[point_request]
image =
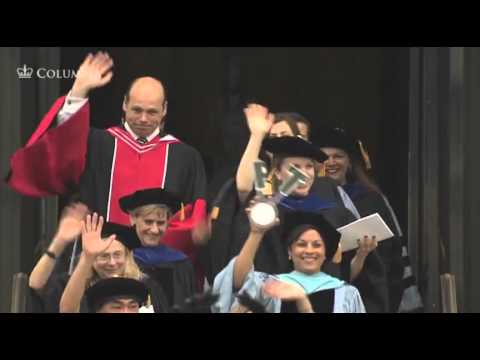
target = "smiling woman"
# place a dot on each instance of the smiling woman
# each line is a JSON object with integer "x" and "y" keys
{"x": 151, "y": 223}
{"x": 307, "y": 250}
{"x": 311, "y": 241}
{"x": 106, "y": 253}
{"x": 306, "y": 165}
{"x": 337, "y": 165}
{"x": 348, "y": 164}
{"x": 150, "y": 214}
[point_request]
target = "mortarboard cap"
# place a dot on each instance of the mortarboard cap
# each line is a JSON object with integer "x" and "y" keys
{"x": 106, "y": 290}
{"x": 253, "y": 305}
{"x": 340, "y": 139}
{"x": 125, "y": 234}
{"x": 149, "y": 197}
{"x": 294, "y": 146}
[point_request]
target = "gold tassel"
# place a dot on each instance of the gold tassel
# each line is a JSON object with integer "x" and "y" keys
{"x": 321, "y": 170}
{"x": 366, "y": 157}
{"x": 337, "y": 258}
{"x": 215, "y": 212}
{"x": 182, "y": 213}
{"x": 239, "y": 309}
{"x": 268, "y": 190}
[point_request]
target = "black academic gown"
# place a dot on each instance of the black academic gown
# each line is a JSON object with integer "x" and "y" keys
{"x": 369, "y": 202}
{"x": 322, "y": 302}
{"x": 230, "y": 231}
{"x": 171, "y": 269}
{"x": 371, "y": 282}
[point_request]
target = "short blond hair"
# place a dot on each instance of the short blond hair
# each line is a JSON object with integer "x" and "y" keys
{"x": 151, "y": 208}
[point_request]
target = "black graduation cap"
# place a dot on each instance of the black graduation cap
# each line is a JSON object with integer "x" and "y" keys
{"x": 335, "y": 137}
{"x": 330, "y": 235}
{"x": 198, "y": 303}
{"x": 253, "y": 305}
{"x": 125, "y": 234}
{"x": 149, "y": 197}
{"x": 106, "y": 290}
{"x": 341, "y": 139}
{"x": 294, "y": 146}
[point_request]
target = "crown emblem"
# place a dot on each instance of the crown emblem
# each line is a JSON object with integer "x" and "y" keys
{"x": 24, "y": 72}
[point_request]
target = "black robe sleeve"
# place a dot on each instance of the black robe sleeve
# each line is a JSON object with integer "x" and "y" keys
{"x": 371, "y": 282}
{"x": 186, "y": 173}
{"x": 337, "y": 215}
{"x": 34, "y": 302}
{"x": 52, "y": 292}
{"x": 158, "y": 297}
{"x": 216, "y": 254}
{"x": 197, "y": 176}
{"x": 390, "y": 250}
{"x": 94, "y": 184}
{"x": 175, "y": 278}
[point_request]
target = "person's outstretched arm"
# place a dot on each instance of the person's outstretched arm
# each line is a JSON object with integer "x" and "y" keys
{"x": 259, "y": 122}
{"x": 68, "y": 230}
{"x": 94, "y": 72}
{"x": 54, "y": 158}
{"x": 92, "y": 246}
{"x": 244, "y": 260}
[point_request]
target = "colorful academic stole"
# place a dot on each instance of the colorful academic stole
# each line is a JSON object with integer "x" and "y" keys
{"x": 134, "y": 167}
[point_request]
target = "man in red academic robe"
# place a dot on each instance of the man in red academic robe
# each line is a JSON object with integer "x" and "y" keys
{"x": 108, "y": 164}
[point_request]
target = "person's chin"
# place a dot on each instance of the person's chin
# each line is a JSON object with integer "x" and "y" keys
{"x": 152, "y": 242}
{"x": 302, "y": 192}
{"x": 310, "y": 269}
{"x": 111, "y": 274}
{"x": 142, "y": 131}
{"x": 142, "y": 134}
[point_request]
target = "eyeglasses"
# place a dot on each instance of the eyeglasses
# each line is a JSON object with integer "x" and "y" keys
{"x": 104, "y": 258}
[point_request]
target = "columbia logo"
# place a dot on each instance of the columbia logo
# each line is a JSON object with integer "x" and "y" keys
{"x": 24, "y": 72}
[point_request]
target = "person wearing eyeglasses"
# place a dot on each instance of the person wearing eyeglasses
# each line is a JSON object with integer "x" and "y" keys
{"x": 107, "y": 253}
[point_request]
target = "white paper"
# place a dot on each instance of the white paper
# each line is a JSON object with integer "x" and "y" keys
{"x": 372, "y": 225}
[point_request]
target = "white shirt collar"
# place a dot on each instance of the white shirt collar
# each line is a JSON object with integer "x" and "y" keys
{"x": 135, "y": 136}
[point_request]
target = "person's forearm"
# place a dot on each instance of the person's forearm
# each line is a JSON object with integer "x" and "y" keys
{"x": 44, "y": 268}
{"x": 245, "y": 173}
{"x": 72, "y": 104}
{"x": 73, "y": 293}
{"x": 304, "y": 305}
{"x": 244, "y": 260}
{"x": 356, "y": 266}
{"x": 79, "y": 90}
